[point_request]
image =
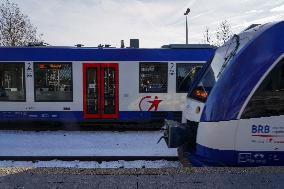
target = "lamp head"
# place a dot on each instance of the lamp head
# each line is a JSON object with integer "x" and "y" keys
{"x": 187, "y": 11}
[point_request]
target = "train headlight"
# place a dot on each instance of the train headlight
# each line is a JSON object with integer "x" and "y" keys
{"x": 200, "y": 94}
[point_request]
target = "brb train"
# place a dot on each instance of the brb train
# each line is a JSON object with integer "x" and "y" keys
{"x": 234, "y": 113}
{"x": 96, "y": 84}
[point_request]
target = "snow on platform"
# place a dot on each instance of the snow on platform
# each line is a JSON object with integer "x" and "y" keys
{"x": 83, "y": 143}
{"x": 93, "y": 164}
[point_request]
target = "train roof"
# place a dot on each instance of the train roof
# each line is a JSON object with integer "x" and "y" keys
{"x": 51, "y": 53}
{"x": 263, "y": 46}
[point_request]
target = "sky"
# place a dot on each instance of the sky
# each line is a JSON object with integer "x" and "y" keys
{"x": 153, "y": 22}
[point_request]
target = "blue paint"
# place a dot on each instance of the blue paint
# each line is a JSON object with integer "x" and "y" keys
{"x": 204, "y": 156}
{"x": 95, "y": 54}
{"x": 78, "y": 116}
{"x": 42, "y": 115}
{"x": 134, "y": 115}
{"x": 260, "y": 129}
{"x": 243, "y": 73}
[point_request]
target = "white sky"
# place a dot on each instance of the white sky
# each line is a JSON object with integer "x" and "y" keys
{"x": 154, "y": 22}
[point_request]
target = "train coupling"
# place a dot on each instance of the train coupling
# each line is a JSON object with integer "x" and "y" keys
{"x": 177, "y": 134}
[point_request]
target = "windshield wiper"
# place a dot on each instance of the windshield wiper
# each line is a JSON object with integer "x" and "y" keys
{"x": 187, "y": 76}
{"x": 231, "y": 55}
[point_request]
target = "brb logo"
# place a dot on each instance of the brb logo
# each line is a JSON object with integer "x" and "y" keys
{"x": 260, "y": 129}
{"x": 147, "y": 103}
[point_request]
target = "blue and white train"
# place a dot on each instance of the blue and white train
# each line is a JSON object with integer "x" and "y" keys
{"x": 96, "y": 84}
{"x": 234, "y": 114}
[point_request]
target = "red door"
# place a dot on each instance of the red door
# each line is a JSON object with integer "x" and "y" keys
{"x": 100, "y": 90}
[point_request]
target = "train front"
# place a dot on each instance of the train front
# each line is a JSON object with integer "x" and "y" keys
{"x": 199, "y": 138}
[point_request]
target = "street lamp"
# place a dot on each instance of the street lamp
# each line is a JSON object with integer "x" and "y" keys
{"x": 186, "y": 25}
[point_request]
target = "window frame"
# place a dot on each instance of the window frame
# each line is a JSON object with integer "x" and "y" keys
{"x": 34, "y": 72}
{"x": 160, "y": 63}
{"x": 193, "y": 64}
{"x": 243, "y": 113}
{"x": 24, "y": 79}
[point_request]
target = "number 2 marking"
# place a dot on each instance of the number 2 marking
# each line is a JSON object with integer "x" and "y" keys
{"x": 172, "y": 70}
{"x": 29, "y": 70}
{"x": 29, "y": 66}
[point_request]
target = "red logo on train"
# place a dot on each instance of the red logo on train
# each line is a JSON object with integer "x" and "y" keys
{"x": 148, "y": 104}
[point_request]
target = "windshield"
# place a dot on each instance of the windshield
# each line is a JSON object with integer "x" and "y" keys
{"x": 221, "y": 59}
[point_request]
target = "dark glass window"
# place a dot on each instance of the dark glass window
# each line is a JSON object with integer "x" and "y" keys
{"x": 92, "y": 93}
{"x": 53, "y": 82}
{"x": 12, "y": 82}
{"x": 268, "y": 99}
{"x": 185, "y": 74}
{"x": 109, "y": 90}
{"x": 153, "y": 77}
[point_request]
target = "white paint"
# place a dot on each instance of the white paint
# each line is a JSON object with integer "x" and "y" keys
{"x": 246, "y": 142}
{"x": 237, "y": 134}
{"x": 189, "y": 111}
{"x": 217, "y": 135}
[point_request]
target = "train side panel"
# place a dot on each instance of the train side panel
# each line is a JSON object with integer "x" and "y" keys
{"x": 44, "y": 89}
{"x": 134, "y": 105}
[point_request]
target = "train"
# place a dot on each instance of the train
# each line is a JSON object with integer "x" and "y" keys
{"x": 97, "y": 85}
{"x": 234, "y": 112}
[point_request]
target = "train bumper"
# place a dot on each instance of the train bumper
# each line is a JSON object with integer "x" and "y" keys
{"x": 177, "y": 134}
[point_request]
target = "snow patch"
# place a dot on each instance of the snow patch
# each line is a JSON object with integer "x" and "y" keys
{"x": 92, "y": 164}
{"x": 83, "y": 143}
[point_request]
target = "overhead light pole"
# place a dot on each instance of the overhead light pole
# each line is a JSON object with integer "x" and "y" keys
{"x": 186, "y": 24}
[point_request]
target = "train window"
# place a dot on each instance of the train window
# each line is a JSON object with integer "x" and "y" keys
{"x": 153, "y": 77}
{"x": 53, "y": 82}
{"x": 184, "y": 76}
{"x": 12, "y": 82}
{"x": 268, "y": 99}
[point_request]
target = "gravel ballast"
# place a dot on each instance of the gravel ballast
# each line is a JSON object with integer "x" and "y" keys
{"x": 142, "y": 171}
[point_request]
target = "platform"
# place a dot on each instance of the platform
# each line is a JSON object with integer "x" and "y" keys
{"x": 271, "y": 177}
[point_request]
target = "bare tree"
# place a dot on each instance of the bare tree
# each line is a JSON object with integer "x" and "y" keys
{"x": 224, "y": 32}
{"x": 15, "y": 27}
{"x": 207, "y": 37}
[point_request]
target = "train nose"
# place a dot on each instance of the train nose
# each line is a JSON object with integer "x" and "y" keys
{"x": 177, "y": 134}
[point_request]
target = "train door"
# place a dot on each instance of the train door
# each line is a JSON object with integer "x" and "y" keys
{"x": 260, "y": 132}
{"x": 100, "y": 90}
